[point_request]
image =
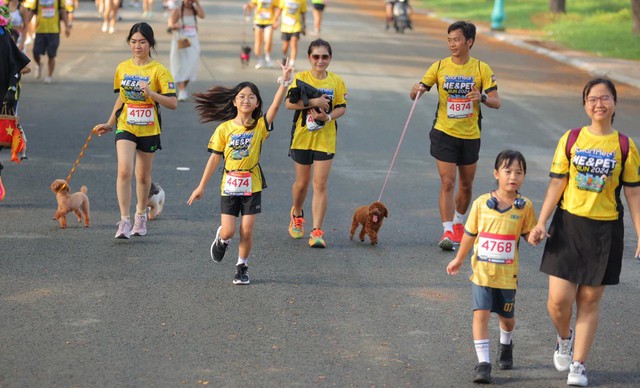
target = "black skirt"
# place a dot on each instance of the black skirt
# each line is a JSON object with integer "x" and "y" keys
{"x": 584, "y": 251}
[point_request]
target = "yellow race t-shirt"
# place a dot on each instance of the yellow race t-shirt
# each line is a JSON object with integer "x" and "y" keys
{"x": 291, "y": 19}
{"x": 47, "y": 14}
{"x": 594, "y": 174}
{"x": 323, "y": 139}
{"x": 264, "y": 11}
{"x": 456, "y": 115}
{"x": 140, "y": 115}
{"x": 241, "y": 150}
{"x": 495, "y": 250}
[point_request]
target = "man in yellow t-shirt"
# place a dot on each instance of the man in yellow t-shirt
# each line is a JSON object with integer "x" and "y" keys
{"x": 463, "y": 84}
{"x": 292, "y": 24}
{"x": 49, "y": 14}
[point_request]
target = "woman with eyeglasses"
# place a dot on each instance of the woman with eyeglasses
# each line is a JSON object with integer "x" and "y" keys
{"x": 314, "y": 135}
{"x": 583, "y": 252}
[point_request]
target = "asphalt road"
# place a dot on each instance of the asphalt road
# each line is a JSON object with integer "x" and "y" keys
{"x": 82, "y": 309}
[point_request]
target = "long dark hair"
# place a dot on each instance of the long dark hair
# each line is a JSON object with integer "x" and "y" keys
{"x": 216, "y": 104}
{"x": 146, "y": 31}
{"x": 597, "y": 81}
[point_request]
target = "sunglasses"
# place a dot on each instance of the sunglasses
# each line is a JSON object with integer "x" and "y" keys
{"x": 323, "y": 56}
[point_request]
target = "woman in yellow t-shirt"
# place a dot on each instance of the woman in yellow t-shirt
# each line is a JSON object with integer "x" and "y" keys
{"x": 313, "y": 140}
{"x": 583, "y": 253}
{"x": 143, "y": 85}
{"x": 264, "y": 20}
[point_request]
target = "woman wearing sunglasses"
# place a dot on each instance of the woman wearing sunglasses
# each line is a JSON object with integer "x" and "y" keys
{"x": 313, "y": 141}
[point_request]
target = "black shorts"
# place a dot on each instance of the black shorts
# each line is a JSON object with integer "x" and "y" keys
{"x": 319, "y": 7}
{"x": 449, "y": 149}
{"x": 499, "y": 301}
{"x": 144, "y": 144}
{"x": 46, "y": 43}
{"x": 286, "y": 36}
{"x": 308, "y": 156}
{"x": 263, "y": 26}
{"x": 236, "y": 204}
{"x": 582, "y": 250}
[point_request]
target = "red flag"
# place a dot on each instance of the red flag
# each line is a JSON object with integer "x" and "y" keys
{"x": 10, "y": 136}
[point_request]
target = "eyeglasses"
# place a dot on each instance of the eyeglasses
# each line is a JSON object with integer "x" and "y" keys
{"x": 323, "y": 56}
{"x": 593, "y": 100}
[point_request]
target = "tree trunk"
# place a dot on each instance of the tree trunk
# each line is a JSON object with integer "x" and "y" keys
{"x": 560, "y": 6}
{"x": 635, "y": 10}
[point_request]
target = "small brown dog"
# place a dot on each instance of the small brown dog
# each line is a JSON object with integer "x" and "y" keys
{"x": 76, "y": 202}
{"x": 370, "y": 217}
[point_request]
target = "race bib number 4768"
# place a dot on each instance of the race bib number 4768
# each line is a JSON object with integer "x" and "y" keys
{"x": 496, "y": 248}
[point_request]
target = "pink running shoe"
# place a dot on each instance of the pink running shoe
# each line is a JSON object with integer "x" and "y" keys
{"x": 124, "y": 229}
{"x": 139, "y": 225}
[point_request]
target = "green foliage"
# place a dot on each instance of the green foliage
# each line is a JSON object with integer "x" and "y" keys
{"x": 601, "y": 27}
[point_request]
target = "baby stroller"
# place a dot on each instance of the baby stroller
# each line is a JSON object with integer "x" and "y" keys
{"x": 401, "y": 12}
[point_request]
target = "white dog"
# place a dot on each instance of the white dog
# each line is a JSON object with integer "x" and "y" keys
{"x": 155, "y": 201}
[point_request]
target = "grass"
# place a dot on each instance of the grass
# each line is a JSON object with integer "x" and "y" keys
{"x": 597, "y": 26}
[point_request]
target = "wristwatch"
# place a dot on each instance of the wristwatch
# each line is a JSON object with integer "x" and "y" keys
{"x": 483, "y": 98}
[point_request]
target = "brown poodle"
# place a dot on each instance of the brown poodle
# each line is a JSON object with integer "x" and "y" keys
{"x": 76, "y": 202}
{"x": 371, "y": 218}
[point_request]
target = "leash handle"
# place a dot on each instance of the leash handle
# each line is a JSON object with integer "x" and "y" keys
{"x": 404, "y": 131}
{"x": 73, "y": 169}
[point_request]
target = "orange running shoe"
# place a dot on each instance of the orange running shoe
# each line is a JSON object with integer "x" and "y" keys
{"x": 2, "y": 192}
{"x": 446, "y": 242}
{"x": 296, "y": 227}
{"x": 458, "y": 232}
{"x": 316, "y": 240}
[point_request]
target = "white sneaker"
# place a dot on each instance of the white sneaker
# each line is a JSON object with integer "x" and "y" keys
{"x": 260, "y": 64}
{"x": 112, "y": 29}
{"x": 105, "y": 27}
{"x": 48, "y": 80}
{"x": 183, "y": 95}
{"x": 577, "y": 375}
{"x": 268, "y": 64}
{"x": 563, "y": 354}
{"x": 38, "y": 71}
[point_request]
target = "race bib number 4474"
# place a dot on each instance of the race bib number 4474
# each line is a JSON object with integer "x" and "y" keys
{"x": 238, "y": 183}
{"x": 496, "y": 248}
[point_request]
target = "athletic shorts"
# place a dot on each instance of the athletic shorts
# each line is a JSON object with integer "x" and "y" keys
{"x": 286, "y": 36}
{"x": 499, "y": 301}
{"x": 582, "y": 250}
{"x": 308, "y": 156}
{"x": 46, "y": 43}
{"x": 235, "y": 204}
{"x": 319, "y": 7}
{"x": 449, "y": 149}
{"x": 144, "y": 144}
{"x": 263, "y": 26}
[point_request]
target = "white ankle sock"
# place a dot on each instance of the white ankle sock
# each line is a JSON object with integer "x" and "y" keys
{"x": 482, "y": 350}
{"x": 242, "y": 261}
{"x": 458, "y": 218}
{"x": 124, "y": 218}
{"x": 448, "y": 226}
{"x": 505, "y": 337}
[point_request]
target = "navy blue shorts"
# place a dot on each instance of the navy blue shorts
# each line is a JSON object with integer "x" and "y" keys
{"x": 499, "y": 301}
{"x": 46, "y": 43}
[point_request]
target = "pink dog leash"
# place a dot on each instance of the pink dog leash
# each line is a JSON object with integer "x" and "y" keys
{"x": 404, "y": 131}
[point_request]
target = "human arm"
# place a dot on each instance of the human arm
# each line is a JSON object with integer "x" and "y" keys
{"x": 552, "y": 197}
{"x": 284, "y": 82}
{"x": 101, "y": 129}
{"x": 277, "y": 11}
{"x": 209, "y": 169}
{"x": 419, "y": 87}
{"x": 174, "y": 19}
{"x": 169, "y": 102}
{"x": 632, "y": 194}
{"x": 64, "y": 15}
{"x": 492, "y": 99}
{"x": 463, "y": 250}
{"x": 198, "y": 8}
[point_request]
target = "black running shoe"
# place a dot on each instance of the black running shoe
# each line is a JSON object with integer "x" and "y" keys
{"x": 482, "y": 373}
{"x": 242, "y": 274}
{"x": 218, "y": 248}
{"x": 505, "y": 356}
